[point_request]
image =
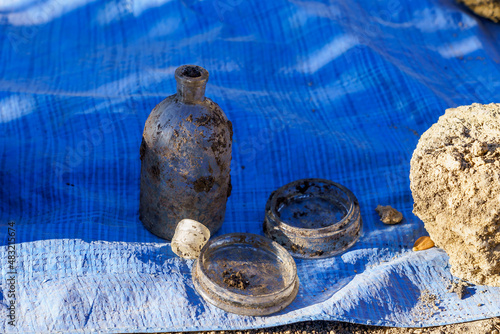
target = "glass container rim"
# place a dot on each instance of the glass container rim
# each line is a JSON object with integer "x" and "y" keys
{"x": 281, "y": 253}
{"x": 321, "y": 230}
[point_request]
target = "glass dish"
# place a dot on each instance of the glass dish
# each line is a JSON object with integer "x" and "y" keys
{"x": 246, "y": 274}
{"x": 313, "y": 218}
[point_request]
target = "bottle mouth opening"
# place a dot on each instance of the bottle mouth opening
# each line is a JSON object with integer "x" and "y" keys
{"x": 191, "y": 71}
{"x": 191, "y": 74}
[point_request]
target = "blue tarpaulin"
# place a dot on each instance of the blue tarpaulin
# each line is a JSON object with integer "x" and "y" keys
{"x": 339, "y": 90}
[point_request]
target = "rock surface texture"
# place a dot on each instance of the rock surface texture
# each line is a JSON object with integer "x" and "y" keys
{"x": 455, "y": 183}
{"x": 485, "y": 8}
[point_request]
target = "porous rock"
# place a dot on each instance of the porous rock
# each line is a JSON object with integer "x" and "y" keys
{"x": 455, "y": 183}
{"x": 485, "y": 8}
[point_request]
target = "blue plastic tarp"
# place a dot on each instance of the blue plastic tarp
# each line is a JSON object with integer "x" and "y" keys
{"x": 339, "y": 90}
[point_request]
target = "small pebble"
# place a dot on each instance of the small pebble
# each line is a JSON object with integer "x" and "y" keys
{"x": 389, "y": 215}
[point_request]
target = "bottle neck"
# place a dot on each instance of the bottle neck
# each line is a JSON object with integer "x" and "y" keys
{"x": 191, "y": 83}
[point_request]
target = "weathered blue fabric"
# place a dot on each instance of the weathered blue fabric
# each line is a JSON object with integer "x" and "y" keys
{"x": 339, "y": 90}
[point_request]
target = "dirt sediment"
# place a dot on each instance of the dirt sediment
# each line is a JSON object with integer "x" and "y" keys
{"x": 489, "y": 326}
{"x": 459, "y": 287}
{"x": 235, "y": 279}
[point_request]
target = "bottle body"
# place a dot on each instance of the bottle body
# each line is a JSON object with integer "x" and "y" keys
{"x": 185, "y": 163}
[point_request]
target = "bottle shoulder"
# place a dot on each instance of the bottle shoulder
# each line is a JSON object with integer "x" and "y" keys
{"x": 172, "y": 119}
{"x": 171, "y": 108}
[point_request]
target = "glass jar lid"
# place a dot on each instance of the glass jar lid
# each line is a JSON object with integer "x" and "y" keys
{"x": 246, "y": 274}
{"x": 313, "y": 218}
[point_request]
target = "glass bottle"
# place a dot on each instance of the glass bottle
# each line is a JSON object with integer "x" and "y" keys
{"x": 185, "y": 158}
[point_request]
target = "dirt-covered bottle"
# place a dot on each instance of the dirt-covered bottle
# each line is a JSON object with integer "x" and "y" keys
{"x": 186, "y": 157}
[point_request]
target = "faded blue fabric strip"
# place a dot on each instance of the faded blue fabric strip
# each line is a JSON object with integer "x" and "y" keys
{"x": 336, "y": 90}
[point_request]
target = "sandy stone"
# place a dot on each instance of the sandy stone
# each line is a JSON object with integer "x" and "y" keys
{"x": 485, "y": 8}
{"x": 389, "y": 215}
{"x": 455, "y": 183}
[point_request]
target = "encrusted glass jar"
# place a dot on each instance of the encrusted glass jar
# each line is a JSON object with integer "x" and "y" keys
{"x": 186, "y": 157}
